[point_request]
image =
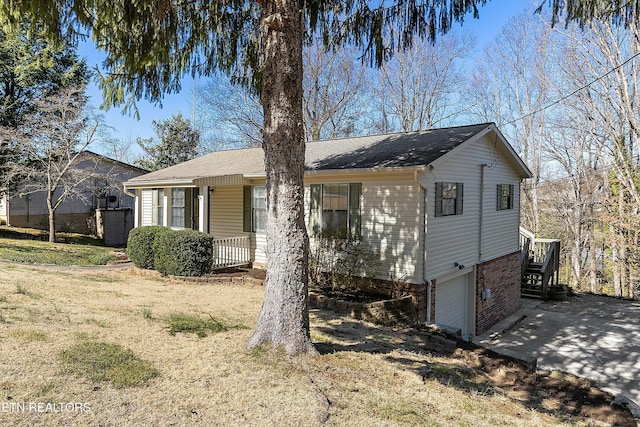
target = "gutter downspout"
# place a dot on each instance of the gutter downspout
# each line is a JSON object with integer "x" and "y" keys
{"x": 481, "y": 219}
{"x": 423, "y": 214}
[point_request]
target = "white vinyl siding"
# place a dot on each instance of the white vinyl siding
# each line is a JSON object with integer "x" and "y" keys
{"x": 456, "y": 238}
{"x": 147, "y": 208}
{"x": 225, "y": 216}
{"x": 501, "y": 226}
{"x": 390, "y": 223}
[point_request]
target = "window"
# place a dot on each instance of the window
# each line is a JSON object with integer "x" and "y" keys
{"x": 335, "y": 209}
{"x": 335, "y": 205}
{"x": 448, "y": 198}
{"x": 259, "y": 208}
{"x": 255, "y": 209}
{"x": 178, "y": 207}
{"x": 158, "y": 206}
{"x": 505, "y": 196}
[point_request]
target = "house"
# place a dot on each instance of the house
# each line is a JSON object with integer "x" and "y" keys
{"x": 104, "y": 193}
{"x": 441, "y": 205}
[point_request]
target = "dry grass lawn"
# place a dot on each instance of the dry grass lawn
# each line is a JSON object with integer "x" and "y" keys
{"x": 215, "y": 380}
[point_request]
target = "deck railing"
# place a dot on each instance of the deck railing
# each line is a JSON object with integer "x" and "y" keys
{"x": 542, "y": 254}
{"x": 537, "y": 248}
{"x": 231, "y": 252}
{"x": 550, "y": 269}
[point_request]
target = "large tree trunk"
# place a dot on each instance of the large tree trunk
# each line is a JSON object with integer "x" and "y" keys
{"x": 284, "y": 318}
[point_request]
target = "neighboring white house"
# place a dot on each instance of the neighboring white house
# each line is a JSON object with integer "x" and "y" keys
{"x": 103, "y": 191}
{"x": 442, "y": 206}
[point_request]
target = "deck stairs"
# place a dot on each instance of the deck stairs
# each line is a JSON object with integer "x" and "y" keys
{"x": 540, "y": 264}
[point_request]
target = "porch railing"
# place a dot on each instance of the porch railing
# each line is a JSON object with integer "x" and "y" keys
{"x": 231, "y": 252}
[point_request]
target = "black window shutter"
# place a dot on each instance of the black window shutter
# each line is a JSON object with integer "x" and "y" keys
{"x": 438, "y": 199}
{"x": 188, "y": 206}
{"x": 459, "y": 198}
{"x": 499, "y": 205}
{"x": 246, "y": 208}
{"x": 315, "y": 198}
{"x": 355, "y": 221}
{"x": 511, "y": 191}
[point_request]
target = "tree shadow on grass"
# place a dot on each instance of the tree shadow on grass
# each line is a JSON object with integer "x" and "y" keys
{"x": 358, "y": 336}
{"x": 467, "y": 367}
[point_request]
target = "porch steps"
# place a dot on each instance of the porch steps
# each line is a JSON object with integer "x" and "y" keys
{"x": 531, "y": 285}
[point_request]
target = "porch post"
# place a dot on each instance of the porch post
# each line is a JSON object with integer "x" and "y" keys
{"x": 136, "y": 211}
{"x": 203, "y": 202}
{"x": 165, "y": 207}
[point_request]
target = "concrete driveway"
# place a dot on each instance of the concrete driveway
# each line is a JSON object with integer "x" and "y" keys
{"x": 587, "y": 335}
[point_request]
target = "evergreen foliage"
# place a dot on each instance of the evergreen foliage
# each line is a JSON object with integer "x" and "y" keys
{"x": 31, "y": 70}
{"x": 152, "y": 48}
{"x": 178, "y": 142}
{"x": 140, "y": 245}
{"x": 183, "y": 253}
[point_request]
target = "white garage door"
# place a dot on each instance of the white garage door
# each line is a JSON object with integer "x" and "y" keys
{"x": 452, "y": 303}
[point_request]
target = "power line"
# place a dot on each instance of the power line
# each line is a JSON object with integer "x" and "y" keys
{"x": 546, "y": 107}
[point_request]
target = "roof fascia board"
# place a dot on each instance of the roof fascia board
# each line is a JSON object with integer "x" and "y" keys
{"x": 525, "y": 169}
{"x": 160, "y": 183}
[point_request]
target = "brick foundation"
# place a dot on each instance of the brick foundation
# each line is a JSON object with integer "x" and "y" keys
{"x": 502, "y": 276}
{"x": 433, "y": 302}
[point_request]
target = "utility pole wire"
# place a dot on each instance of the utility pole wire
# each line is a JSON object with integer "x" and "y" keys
{"x": 546, "y": 107}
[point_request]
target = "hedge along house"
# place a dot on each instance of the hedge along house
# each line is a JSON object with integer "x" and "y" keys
{"x": 442, "y": 207}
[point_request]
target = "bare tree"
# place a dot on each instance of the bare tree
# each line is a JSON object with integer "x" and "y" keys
{"x": 334, "y": 88}
{"x": 227, "y": 115}
{"x": 571, "y": 205}
{"x": 334, "y": 84}
{"x": 511, "y": 86}
{"x": 418, "y": 88}
{"x": 603, "y": 61}
{"x": 50, "y": 142}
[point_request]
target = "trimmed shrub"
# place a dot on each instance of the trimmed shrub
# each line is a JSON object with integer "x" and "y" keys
{"x": 140, "y": 245}
{"x": 339, "y": 262}
{"x": 183, "y": 253}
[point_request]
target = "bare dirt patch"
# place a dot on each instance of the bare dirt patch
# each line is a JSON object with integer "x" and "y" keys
{"x": 365, "y": 375}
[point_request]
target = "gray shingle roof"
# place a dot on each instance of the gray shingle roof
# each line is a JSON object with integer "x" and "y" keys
{"x": 379, "y": 151}
{"x": 383, "y": 151}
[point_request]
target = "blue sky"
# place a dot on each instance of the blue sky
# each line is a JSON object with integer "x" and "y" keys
{"x": 493, "y": 17}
